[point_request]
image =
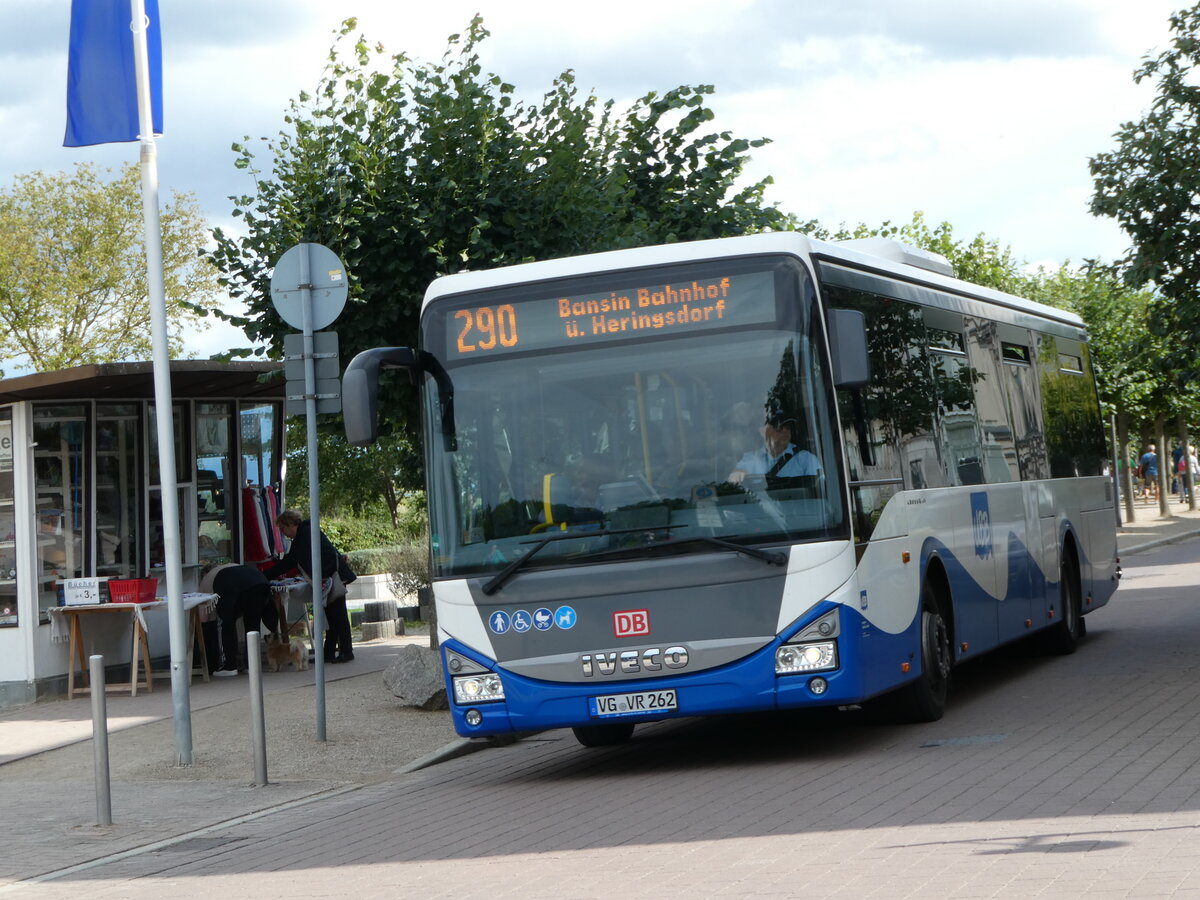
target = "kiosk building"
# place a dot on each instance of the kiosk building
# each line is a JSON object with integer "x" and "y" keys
{"x": 80, "y": 493}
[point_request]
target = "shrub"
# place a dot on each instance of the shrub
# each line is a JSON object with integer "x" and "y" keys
{"x": 349, "y": 533}
{"x": 410, "y": 568}
{"x": 414, "y": 517}
{"x": 406, "y": 564}
{"x": 372, "y": 561}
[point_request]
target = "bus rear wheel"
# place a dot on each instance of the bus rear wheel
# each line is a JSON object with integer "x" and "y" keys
{"x": 603, "y": 735}
{"x": 1064, "y": 636}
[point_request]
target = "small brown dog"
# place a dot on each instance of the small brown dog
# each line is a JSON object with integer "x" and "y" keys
{"x": 282, "y": 650}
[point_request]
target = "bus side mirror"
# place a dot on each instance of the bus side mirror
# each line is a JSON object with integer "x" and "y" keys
{"x": 848, "y": 348}
{"x": 360, "y": 390}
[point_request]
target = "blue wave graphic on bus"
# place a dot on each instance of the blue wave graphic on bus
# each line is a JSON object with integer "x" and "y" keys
{"x": 1031, "y": 596}
{"x": 1025, "y": 578}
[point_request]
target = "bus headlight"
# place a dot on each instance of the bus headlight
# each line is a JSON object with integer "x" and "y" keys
{"x": 485, "y": 688}
{"x": 791, "y": 659}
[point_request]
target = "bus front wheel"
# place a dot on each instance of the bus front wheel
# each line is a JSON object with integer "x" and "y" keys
{"x": 925, "y": 698}
{"x": 603, "y": 735}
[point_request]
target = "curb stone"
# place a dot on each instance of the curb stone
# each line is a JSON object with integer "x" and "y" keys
{"x": 1159, "y": 542}
{"x": 461, "y": 747}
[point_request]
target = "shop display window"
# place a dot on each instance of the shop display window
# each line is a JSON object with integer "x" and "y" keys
{"x": 216, "y": 496}
{"x": 259, "y": 437}
{"x": 8, "y": 536}
{"x": 118, "y": 536}
{"x": 60, "y": 489}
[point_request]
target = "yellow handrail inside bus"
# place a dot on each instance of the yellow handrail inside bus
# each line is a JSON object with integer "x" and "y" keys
{"x": 547, "y": 508}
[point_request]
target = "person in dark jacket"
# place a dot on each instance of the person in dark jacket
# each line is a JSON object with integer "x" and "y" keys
{"x": 299, "y": 556}
{"x": 242, "y": 592}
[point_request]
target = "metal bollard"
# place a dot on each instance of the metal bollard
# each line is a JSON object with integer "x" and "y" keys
{"x": 258, "y": 722}
{"x": 100, "y": 741}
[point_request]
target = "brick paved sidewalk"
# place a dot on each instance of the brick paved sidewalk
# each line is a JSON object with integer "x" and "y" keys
{"x": 1049, "y": 776}
{"x": 47, "y": 783}
{"x": 54, "y": 819}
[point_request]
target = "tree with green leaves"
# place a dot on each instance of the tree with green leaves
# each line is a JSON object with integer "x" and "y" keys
{"x": 411, "y": 170}
{"x": 981, "y": 260}
{"x": 355, "y": 481}
{"x": 1127, "y": 356}
{"x": 1150, "y": 183}
{"x": 73, "y": 283}
{"x": 1125, "y": 353}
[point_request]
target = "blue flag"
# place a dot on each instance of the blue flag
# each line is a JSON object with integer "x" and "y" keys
{"x": 101, "y": 79}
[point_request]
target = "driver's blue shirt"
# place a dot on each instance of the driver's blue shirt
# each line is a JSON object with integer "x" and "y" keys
{"x": 760, "y": 462}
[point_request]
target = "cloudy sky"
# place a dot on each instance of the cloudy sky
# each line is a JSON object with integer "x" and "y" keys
{"x": 980, "y": 113}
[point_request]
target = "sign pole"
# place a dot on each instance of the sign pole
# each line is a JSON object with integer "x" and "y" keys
{"x": 1116, "y": 468}
{"x": 314, "y": 482}
{"x": 320, "y": 300}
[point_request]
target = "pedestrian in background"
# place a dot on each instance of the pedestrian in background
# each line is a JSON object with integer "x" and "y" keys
{"x": 1189, "y": 465}
{"x": 332, "y": 591}
{"x": 1148, "y": 468}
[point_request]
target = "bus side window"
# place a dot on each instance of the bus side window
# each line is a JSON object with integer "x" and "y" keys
{"x": 998, "y": 446}
{"x": 1074, "y": 442}
{"x": 957, "y": 428}
{"x": 890, "y": 422}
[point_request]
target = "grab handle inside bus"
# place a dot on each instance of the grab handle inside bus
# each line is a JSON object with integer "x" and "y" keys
{"x": 848, "y": 348}
{"x": 360, "y": 391}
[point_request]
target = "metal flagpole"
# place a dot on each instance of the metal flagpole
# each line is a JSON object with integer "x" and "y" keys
{"x": 180, "y": 674}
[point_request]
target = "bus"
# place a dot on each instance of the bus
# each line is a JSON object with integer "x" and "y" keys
{"x": 744, "y": 474}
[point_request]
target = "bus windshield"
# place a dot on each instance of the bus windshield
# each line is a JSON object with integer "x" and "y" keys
{"x": 639, "y": 445}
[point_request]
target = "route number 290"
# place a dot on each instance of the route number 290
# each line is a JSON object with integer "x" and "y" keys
{"x": 486, "y": 328}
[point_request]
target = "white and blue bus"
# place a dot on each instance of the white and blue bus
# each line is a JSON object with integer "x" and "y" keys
{"x": 745, "y": 474}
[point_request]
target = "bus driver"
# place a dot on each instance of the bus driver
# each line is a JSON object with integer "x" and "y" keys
{"x": 778, "y": 457}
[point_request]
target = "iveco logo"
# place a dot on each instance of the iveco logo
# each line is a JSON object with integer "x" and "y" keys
{"x": 634, "y": 661}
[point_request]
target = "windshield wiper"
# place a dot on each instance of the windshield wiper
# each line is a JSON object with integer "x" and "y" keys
{"x": 520, "y": 562}
{"x": 771, "y": 557}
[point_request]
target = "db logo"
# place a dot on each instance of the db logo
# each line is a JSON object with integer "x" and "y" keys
{"x": 631, "y": 622}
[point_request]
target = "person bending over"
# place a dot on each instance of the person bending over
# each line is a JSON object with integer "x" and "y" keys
{"x": 242, "y": 592}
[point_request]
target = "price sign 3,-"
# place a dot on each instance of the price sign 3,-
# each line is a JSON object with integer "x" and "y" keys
{"x": 81, "y": 591}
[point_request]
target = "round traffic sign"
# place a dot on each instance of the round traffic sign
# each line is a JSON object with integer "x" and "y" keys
{"x": 313, "y": 270}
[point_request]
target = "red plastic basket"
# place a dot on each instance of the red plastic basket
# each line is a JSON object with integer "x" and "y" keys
{"x": 132, "y": 590}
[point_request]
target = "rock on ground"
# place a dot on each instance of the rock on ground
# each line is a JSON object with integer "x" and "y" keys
{"x": 416, "y": 678}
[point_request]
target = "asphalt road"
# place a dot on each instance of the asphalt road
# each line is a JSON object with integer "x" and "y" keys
{"x": 1052, "y": 776}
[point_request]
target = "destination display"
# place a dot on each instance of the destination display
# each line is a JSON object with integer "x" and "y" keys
{"x": 652, "y": 310}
